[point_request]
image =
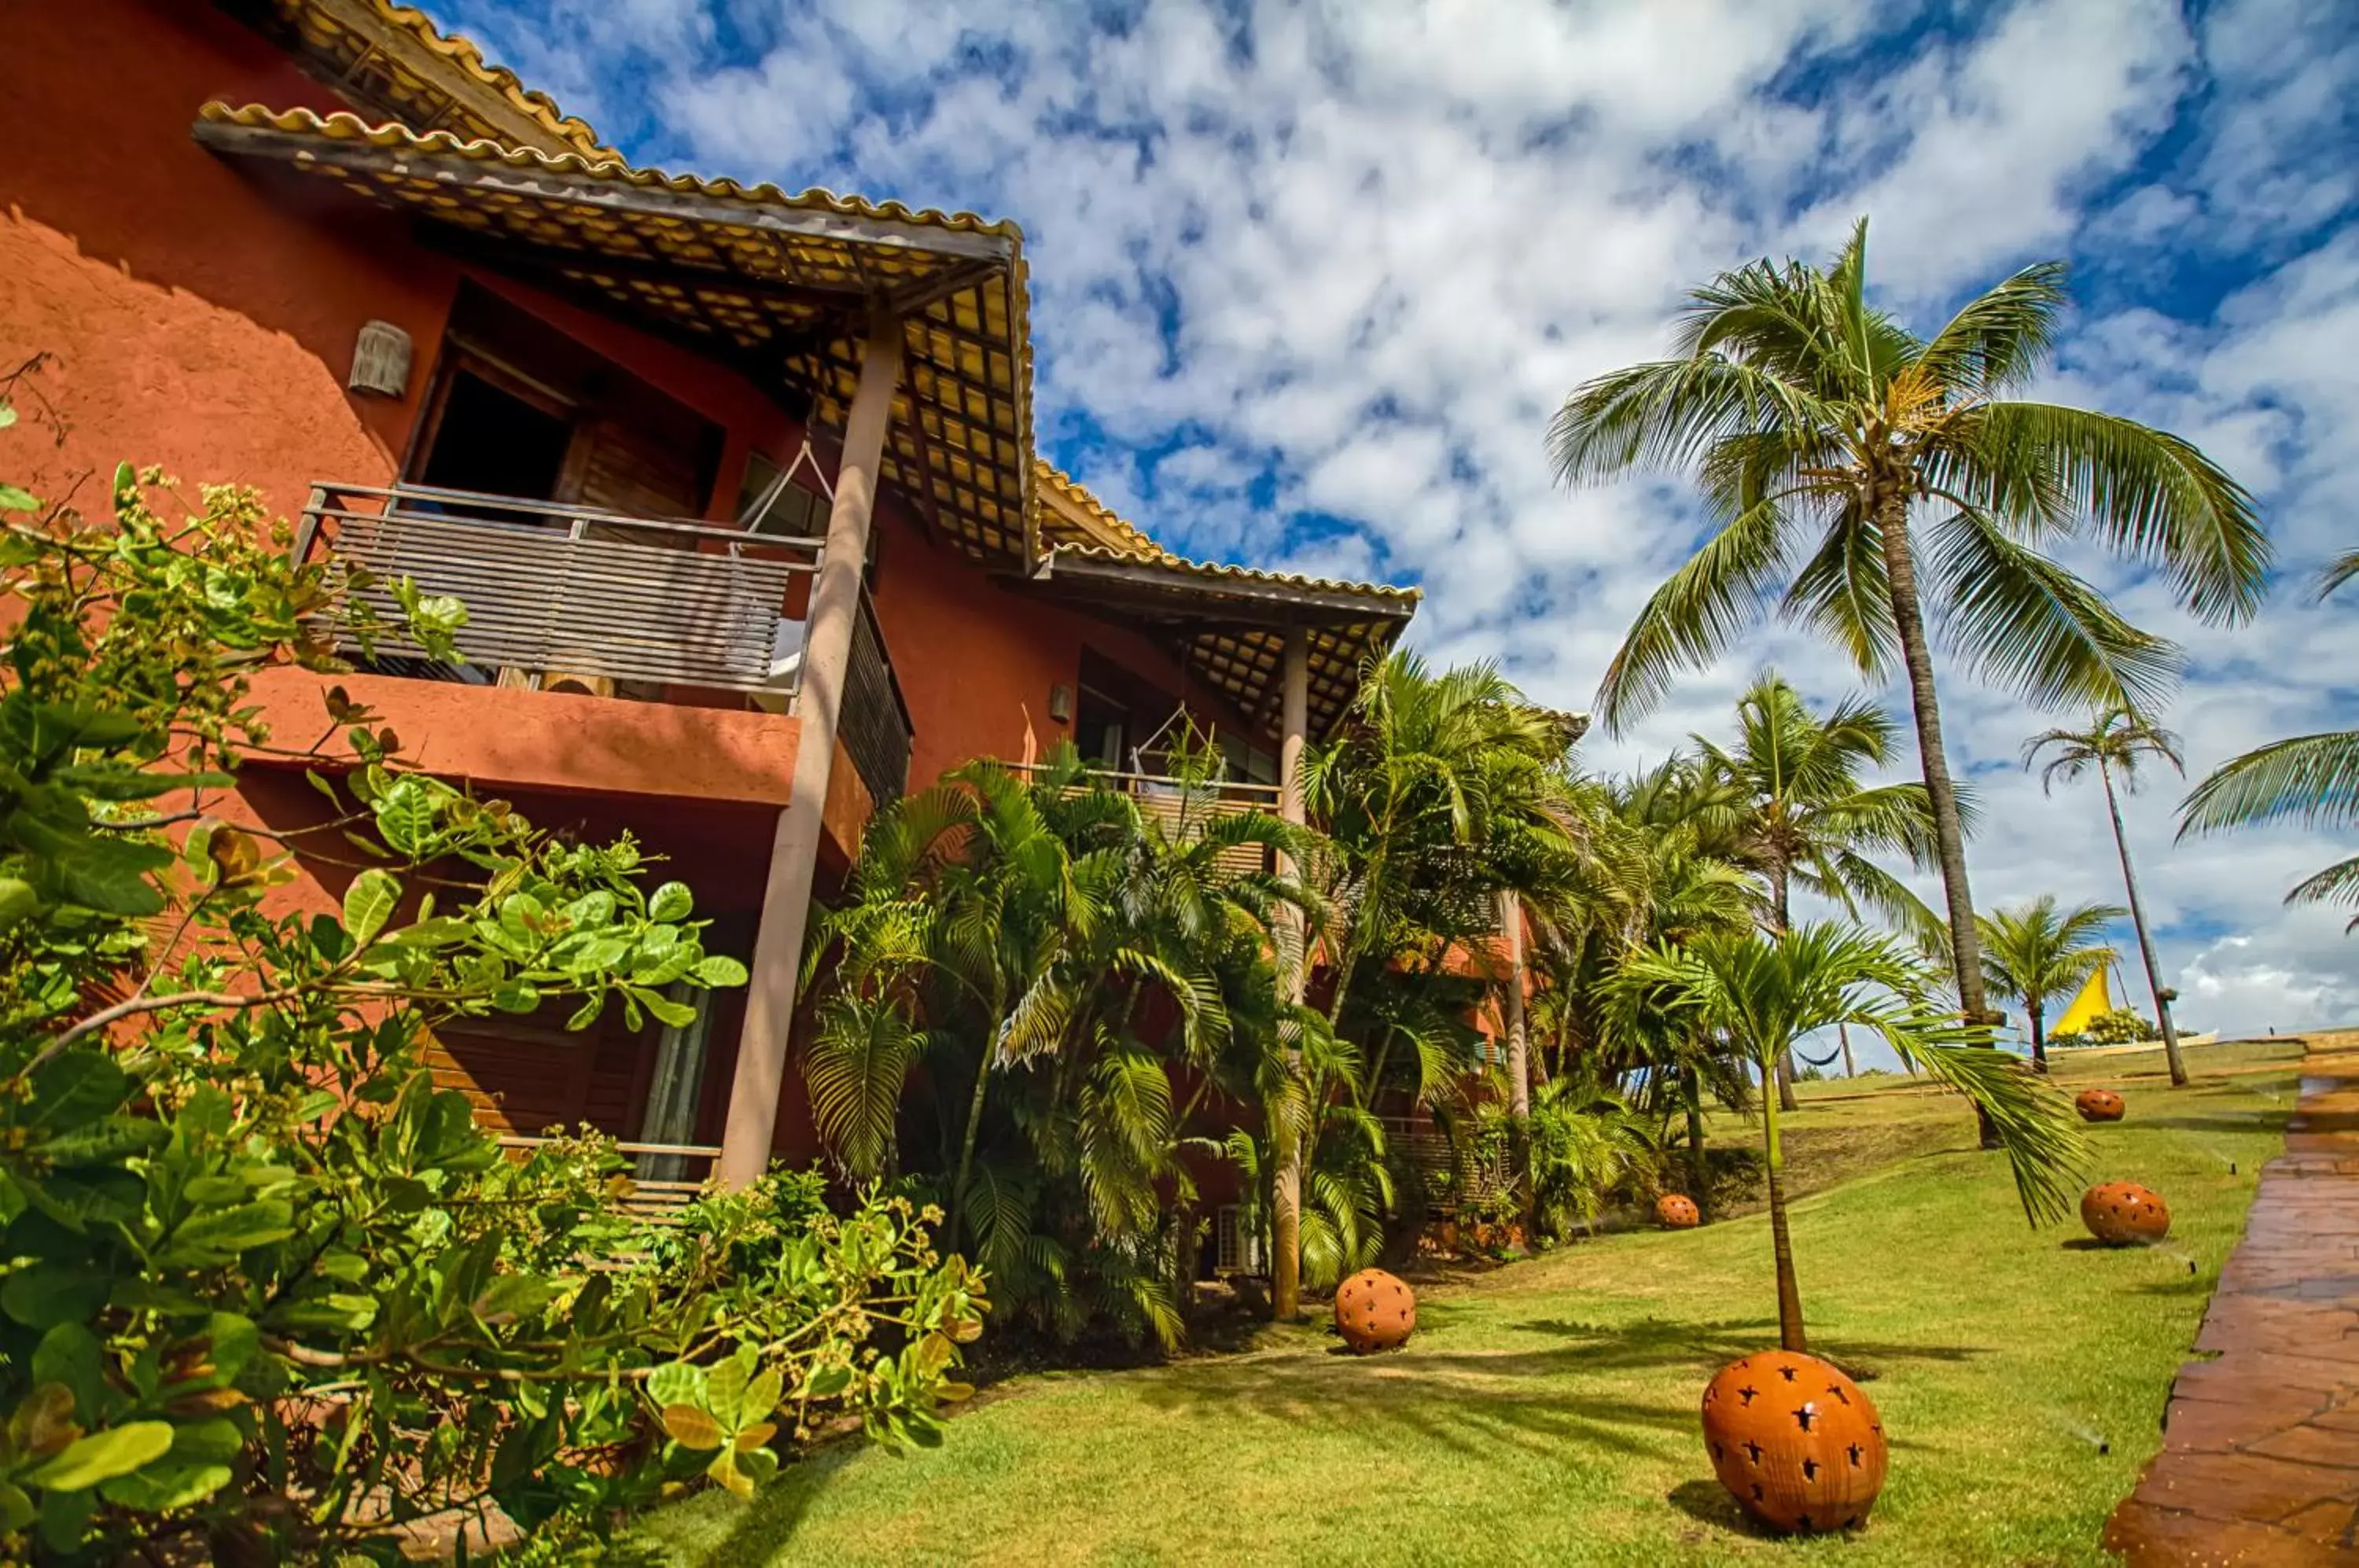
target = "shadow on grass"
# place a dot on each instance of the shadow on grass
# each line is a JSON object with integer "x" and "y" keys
{"x": 764, "y": 1527}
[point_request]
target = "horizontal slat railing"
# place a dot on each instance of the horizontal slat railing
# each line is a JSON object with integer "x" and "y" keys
{"x": 572, "y": 590}
{"x": 874, "y": 728}
{"x": 1183, "y": 806}
{"x": 649, "y": 1199}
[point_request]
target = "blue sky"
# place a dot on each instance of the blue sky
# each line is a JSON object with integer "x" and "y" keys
{"x": 1308, "y": 281}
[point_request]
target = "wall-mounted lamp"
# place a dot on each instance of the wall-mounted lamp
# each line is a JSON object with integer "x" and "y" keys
{"x": 381, "y": 361}
{"x": 1060, "y": 704}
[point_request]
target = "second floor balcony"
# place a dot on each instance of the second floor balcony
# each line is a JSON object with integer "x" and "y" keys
{"x": 571, "y": 599}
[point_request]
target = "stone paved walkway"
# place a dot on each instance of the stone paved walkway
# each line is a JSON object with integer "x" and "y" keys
{"x": 2260, "y": 1457}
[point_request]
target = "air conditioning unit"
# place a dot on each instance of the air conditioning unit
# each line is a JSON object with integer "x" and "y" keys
{"x": 1236, "y": 1249}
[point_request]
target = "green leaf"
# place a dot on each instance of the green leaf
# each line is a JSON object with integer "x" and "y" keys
{"x": 719, "y": 970}
{"x": 43, "y": 1295}
{"x": 162, "y": 1487}
{"x": 676, "y": 1383}
{"x": 369, "y": 903}
{"x": 17, "y": 902}
{"x": 671, "y": 902}
{"x": 103, "y": 1456}
{"x": 224, "y": 1232}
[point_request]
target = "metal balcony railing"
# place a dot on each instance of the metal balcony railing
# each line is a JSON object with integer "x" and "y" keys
{"x": 607, "y": 602}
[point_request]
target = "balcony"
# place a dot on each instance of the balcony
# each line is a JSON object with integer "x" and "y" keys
{"x": 575, "y": 599}
{"x": 1183, "y": 805}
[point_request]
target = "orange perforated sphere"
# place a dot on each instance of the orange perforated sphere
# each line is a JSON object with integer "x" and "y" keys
{"x": 2123, "y": 1213}
{"x": 1677, "y": 1211}
{"x": 1794, "y": 1441}
{"x": 2099, "y": 1106}
{"x": 1374, "y": 1311}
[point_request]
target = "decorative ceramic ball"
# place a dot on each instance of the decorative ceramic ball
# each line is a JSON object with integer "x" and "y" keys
{"x": 1374, "y": 1311}
{"x": 1795, "y": 1442}
{"x": 1677, "y": 1212}
{"x": 2123, "y": 1213}
{"x": 2099, "y": 1106}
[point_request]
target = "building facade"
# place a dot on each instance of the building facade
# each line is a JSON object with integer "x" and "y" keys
{"x": 739, "y": 488}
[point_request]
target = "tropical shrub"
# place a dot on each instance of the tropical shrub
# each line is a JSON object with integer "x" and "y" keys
{"x": 264, "y": 1287}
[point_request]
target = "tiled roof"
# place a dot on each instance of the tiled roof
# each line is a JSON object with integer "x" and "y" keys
{"x": 745, "y": 272}
{"x": 748, "y": 274}
{"x": 395, "y": 55}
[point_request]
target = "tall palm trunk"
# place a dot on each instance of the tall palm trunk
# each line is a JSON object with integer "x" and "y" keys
{"x": 1691, "y": 1092}
{"x": 1949, "y": 834}
{"x": 1789, "y": 1290}
{"x": 1519, "y": 1075}
{"x": 1781, "y": 913}
{"x": 2145, "y": 943}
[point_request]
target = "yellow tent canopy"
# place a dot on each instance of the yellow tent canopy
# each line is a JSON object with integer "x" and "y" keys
{"x": 2095, "y": 997}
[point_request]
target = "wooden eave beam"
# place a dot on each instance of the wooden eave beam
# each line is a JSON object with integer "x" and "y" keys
{"x": 606, "y": 194}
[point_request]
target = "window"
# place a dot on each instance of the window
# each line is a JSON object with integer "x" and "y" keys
{"x": 765, "y": 505}
{"x": 1101, "y": 729}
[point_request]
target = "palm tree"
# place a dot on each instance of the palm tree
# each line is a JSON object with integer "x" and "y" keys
{"x": 1794, "y": 810}
{"x": 2034, "y": 954}
{"x": 2114, "y": 743}
{"x": 1874, "y": 474}
{"x": 1763, "y": 993}
{"x": 2312, "y": 779}
{"x": 1442, "y": 793}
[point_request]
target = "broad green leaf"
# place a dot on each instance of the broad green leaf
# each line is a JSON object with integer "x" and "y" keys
{"x": 220, "y": 1232}
{"x": 161, "y": 1488}
{"x": 676, "y": 1383}
{"x": 670, "y": 903}
{"x": 719, "y": 970}
{"x": 43, "y": 1295}
{"x": 103, "y": 1455}
{"x": 369, "y": 903}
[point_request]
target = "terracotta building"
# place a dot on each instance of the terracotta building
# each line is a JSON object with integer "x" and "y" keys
{"x": 739, "y": 488}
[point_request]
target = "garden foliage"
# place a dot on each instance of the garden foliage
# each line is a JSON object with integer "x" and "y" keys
{"x": 265, "y": 1286}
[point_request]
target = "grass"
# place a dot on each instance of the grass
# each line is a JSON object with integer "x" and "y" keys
{"x": 1545, "y": 1413}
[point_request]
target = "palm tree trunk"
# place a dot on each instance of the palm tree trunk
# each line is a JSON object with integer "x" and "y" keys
{"x": 1789, "y": 1292}
{"x": 2145, "y": 943}
{"x": 967, "y": 1140}
{"x": 1520, "y": 1074}
{"x": 1949, "y": 834}
{"x": 1780, "y": 912}
{"x": 1692, "y": 1091}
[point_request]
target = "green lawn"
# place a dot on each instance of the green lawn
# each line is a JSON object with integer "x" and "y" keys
{"x": 1545, "y": 1412}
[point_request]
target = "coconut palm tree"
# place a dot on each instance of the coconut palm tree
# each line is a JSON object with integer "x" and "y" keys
{"x": 2312, "y": 779}
{"x": 1875, "y": 475}
{"x": 2114, "y": 743}
{"x": 1792, "y": 809}
{"x": 2033, "y": 953}
{"x": 1761, "y": 993}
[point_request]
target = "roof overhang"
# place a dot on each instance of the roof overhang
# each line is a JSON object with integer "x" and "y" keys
{"x": 783, "y": 287}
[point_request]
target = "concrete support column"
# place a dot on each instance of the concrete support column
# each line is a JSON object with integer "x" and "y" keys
{"x": 818, "y": 704}
{"x": 1293, "y": 972}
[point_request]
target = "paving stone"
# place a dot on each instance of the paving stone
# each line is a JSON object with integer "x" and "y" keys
{"x": 2260, "y": 1460}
